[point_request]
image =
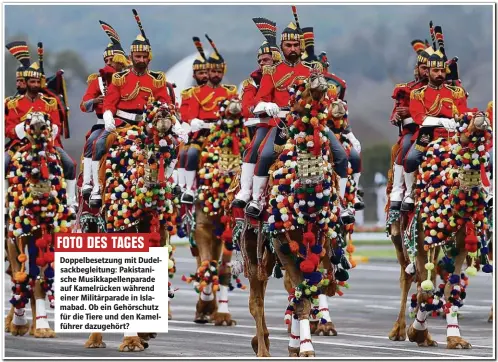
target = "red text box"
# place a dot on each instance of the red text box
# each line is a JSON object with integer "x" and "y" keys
{"x": 105, "y": 243}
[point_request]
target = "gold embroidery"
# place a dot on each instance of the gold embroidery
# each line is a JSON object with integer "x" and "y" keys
{"x": 92, "y": 77}
{"x": 268, "y": 69}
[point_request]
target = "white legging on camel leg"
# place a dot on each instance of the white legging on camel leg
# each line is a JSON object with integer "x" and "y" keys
{"x": 223, "y": 299}
{"x": 41, "y": 314}
{"x": 324, "y": 307}
{"x": 19, "y": 317}
{"x": 207, "y": 293}
{"x": 452, "y": 328}
{"x": 419, "y": 323}
{"x": 294, "y": 334}
{"x": 305, "y": 336}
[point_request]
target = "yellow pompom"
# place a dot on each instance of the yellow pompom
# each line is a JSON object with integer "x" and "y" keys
{"x": 427, "y": 285}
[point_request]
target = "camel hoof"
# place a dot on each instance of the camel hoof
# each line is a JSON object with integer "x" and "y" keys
{"x": 204, "y": 311}
{"x": 422, "y": 338}
{"x": 8, "y": 321}
{"x": 457, "y": 343}
{"x": 95, "y": 343}
{"x": 327, "y": 329}
{"x": 201, "y": 318}
{"x": 18, "y": 330}
{"x": 170, "y": 316}
{"x": 307, "y": 354}
{"x": 223, "y": 319}
{"x": 44, "y": 333}
{"x": 313, "y": 326}
{"x": 131, "y": 344}
{"x": 398, "y": 333}
{"x": 293, "y": 352}
{"x": 255, "y": 345}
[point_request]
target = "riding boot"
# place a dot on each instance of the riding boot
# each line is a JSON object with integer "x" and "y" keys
{"x": 255, "y": 207}
{"x": 181, "y": 178}
{"x": 396, "y": 195}
{"x": 87, "y": 187}
{"x": 408, "y": 203}
{"x": 347, "y": 215}
{"x": 188, "y": 195}
{"x": 96, "y": 196}
{"x": 358, "y": 200}
{"x": 5, "y": 200}
{"x": 246, "y": 175}
{"x": 71, "y": 194}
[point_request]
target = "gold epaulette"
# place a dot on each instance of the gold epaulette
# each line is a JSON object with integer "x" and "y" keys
{"x": 456, "y": 92}
{"x": 268, "y": 69}
{"x": 418, "y": 93}
{"x": 401, "y": 85}
{"x": 92, "y": 77}
{"x": 232, "y": 89}
{"x": 186, "y": 93}
{"x": 50, "y": 103}
{"x": 118, "y": 78}
{"x": 159, "y": 78}
{"x": 247, "y": 82}
{"x": 12, "y": 104}
{"x": 490, "y": 105}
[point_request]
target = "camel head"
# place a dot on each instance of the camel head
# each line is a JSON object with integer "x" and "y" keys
{"x": 318, "y": 85}
{"x": 37, "y": 126}
{"x": 231, "y": 108}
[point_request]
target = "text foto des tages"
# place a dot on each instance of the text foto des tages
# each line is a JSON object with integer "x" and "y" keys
{"x": 101, "y": 242}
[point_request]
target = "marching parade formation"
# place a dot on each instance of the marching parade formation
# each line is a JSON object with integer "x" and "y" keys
{"x": 263, "y": 183}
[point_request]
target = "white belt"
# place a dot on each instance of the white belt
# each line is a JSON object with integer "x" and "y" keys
{"x": 408, "y": 121}
{"x": 129, "y": 116}
{"x": 254, "y": 121}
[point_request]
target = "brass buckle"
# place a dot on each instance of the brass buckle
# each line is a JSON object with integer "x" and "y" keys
{"x": 228, "y": 161}
{"x": 310, "y": 168}
{"x": 469, "y": 178}
{"x": 150, "y": 176}
{"x": 40, "y": 188}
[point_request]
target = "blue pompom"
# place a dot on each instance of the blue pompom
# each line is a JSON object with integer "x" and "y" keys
{"x": 454, "y": 279}
{"x": 49, "y": 273}
{"x": 487, "y": 268}
{"x": 316, "y": 249}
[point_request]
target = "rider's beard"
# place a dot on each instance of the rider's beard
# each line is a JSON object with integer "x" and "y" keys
{"x": 215, "y": 80}
{"x": 292, "y": 57}
{"x": 201, "y": 81}
{"x": 21, "y": 90}
{"x": 437, "y": 81}
{"x": 140, "y": 66}
{"x": 33, "y": 90}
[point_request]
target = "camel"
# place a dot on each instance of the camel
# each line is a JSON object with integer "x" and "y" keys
{"x": 38, "y": 208}
{"x": 146, "y": 193}
{"x": 454, "y": 218}
{"x": 219, "y": 162}
{"x": 298, "y": 249}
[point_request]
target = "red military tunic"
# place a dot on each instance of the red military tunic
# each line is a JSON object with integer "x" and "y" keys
{"x": 401, "y": 96}
{"x": 447, "y": 101}
{"x": 186, "y": 95}
{"x": 276, "y": 81}
{"x": 21, "y": 105}
{"x": 250, "y": 88}
{"x": 204, "y": 102}
{"x": 130, "y": 92}
{"x": 93, "y": 91}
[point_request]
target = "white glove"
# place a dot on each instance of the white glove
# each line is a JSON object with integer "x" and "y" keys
{"x": 272, "y": 109}
{"x": 180, "y": 132}
{"x": 110, "y": 124}
{"x": 196, "y": 124}
{"x": 55, "y": 131}
{"x": 354, "y": 141}
{"x": 448, "y": 123}
{"x": 20, "y": 131}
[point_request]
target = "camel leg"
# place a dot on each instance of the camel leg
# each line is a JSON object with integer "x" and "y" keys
{"x": 418, "y": 331}
{"x": 222, "y": 316}
{"x": 328, "y": 328}
{"x": 260, "y": 342}
{"x": 19, "y": 325}
{"x": 204, "y": 237}
{"x": 490, "y": 317}
{"x": 302, "y": 309}
{"x": 95, "y": 341}
{"x": 33, "y": 316}
{"x": 398, "y": 332}
{"x": 453, "y": 338}
{"x": 288, "y": 287}
{"x": 10, "y": 316}
{"x": 43, "y": 329}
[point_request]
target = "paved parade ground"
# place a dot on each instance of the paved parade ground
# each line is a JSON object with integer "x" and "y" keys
{"x": 363, "y": 318}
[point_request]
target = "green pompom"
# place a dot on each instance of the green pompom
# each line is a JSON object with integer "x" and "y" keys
{"x": 427, "y": 285}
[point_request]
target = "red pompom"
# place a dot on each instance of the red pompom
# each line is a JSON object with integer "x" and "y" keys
{"x": 309, "y": 238}
{"x": 314, "y": 258}
{"x": 227, "y": 235}
{"x": 49, "y": 257}
{"x": 41, "y": 243}
{"x": 48, "y": 238}
{"x": 307, "y": 266}
{"x": 41, "y": 262}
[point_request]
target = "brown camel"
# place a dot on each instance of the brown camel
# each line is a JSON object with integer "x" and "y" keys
{"x": 464, "y": 239}
{"x": 159, "y": 128}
